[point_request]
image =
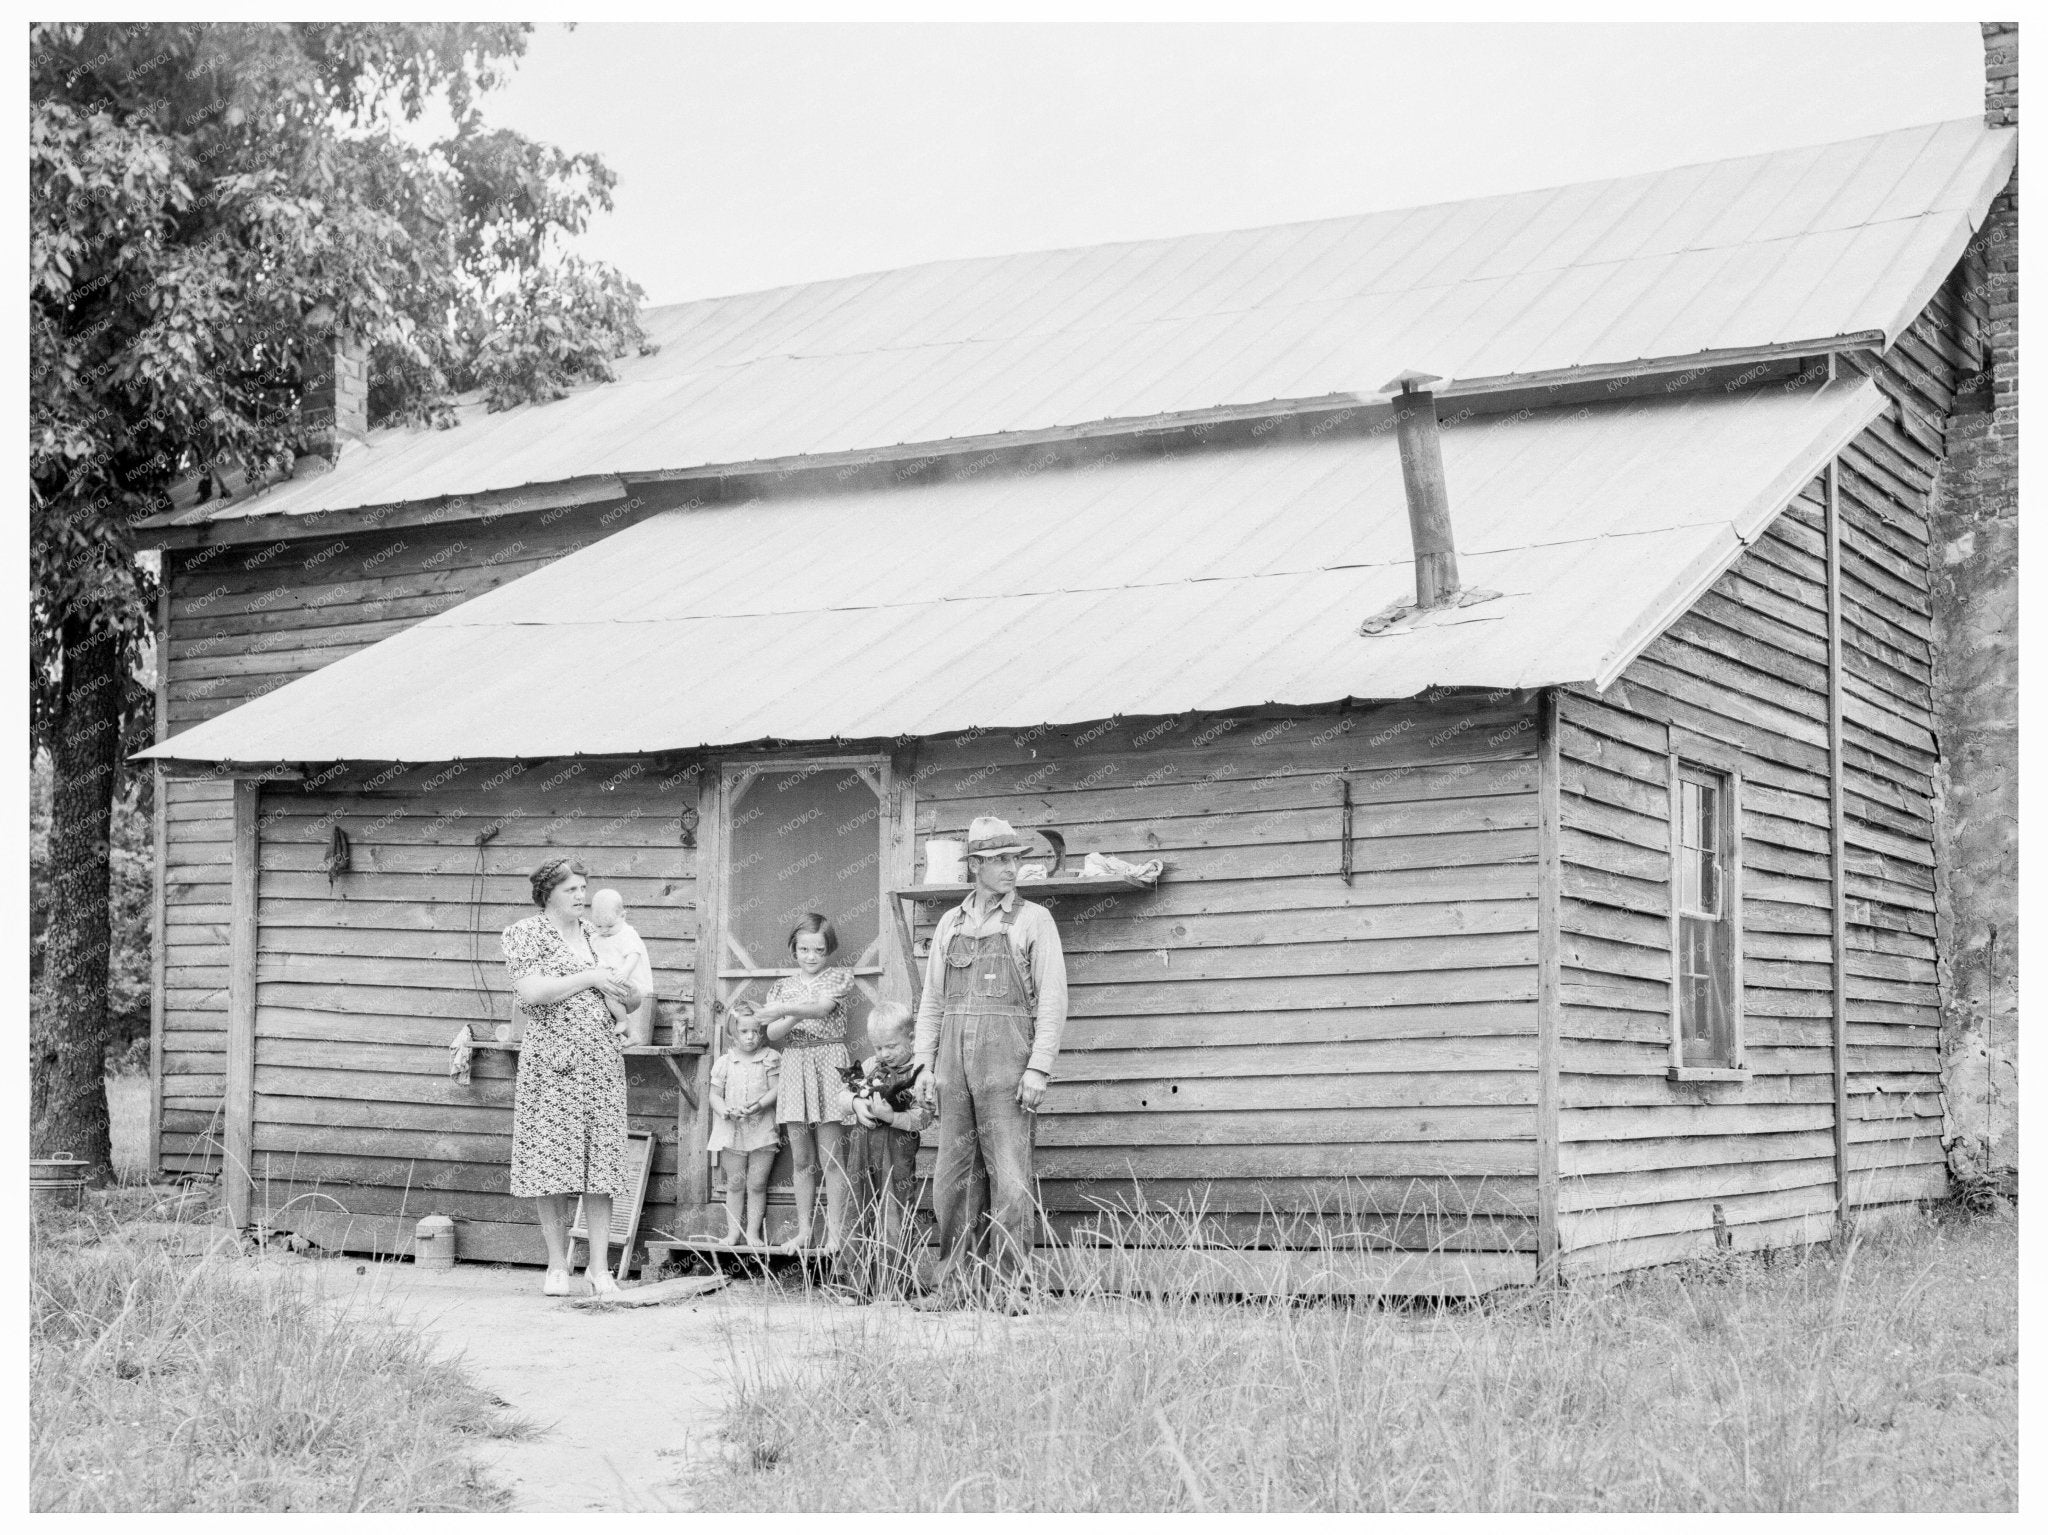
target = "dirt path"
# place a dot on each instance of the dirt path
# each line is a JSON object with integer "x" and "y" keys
{"x": 626, "y": 1398}
{"x": 622, "y": 1398}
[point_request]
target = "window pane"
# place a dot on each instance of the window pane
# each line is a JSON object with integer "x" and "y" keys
{"x": 1721, "y": 1009}
{"x": 1710, "y": 845}
{"x": 1706, "y": 1012}
{"x": 1704, "y": 965}
{"x": 1699, "y": 854}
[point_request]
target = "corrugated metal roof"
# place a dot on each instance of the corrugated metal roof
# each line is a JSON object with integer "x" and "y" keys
{"x": 1801, "y": 247}
{"x": 1211, "y": 579}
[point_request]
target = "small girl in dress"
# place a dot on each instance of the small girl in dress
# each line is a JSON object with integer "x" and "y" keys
{"x": 806, "y": 1018}
{"x": 743, "y": 1133}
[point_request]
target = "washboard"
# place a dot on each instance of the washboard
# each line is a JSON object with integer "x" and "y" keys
{"x": 625, "y": 1209}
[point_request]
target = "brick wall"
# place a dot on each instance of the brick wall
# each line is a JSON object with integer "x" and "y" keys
{"x": 1975, "y": 533}
{"x": 2001, "y": 73}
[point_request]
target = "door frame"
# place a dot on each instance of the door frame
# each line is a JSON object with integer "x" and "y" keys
{"x": 891, "y": 775}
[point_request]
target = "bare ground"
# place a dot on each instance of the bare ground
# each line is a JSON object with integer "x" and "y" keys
{"x": 628, "y": 1402}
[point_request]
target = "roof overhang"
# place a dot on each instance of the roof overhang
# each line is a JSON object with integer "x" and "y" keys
{"x": 1207, "y": 580}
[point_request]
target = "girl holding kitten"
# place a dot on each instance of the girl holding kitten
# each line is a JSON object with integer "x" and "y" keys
{"x": 806, "y": 1018}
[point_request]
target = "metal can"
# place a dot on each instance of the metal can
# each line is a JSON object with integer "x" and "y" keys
{"x": 434, "y": 1243}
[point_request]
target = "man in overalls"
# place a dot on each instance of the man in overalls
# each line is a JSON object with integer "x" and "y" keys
{"x": 988, "y": 1029}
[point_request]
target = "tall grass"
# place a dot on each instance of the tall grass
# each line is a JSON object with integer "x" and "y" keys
{"x": 1884, "y": 1377}
{"x": 164, "y": 1383}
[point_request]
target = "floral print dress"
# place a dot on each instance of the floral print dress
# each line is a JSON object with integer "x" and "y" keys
{"x": 569, "y": 1104}
{"x": 815, "y": 1051}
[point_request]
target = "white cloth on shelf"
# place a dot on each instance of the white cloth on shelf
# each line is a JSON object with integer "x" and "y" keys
{"x": 460, "y": 1049}
{"x": 1109, "y": 866}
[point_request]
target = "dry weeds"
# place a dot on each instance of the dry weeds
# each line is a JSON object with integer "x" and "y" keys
{"x": 1882, "y": 1377}
{"x": 161, "y": 1382}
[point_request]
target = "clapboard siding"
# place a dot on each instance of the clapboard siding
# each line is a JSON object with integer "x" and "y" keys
{"x": 1644, "y": 1161}
{"x": 193, "y": 887}
{"x": 1291, "y": 1055}
{"x": 362, "y": 983}
{"x": 244, "y": 620}
{"x": 1257, "y": 1052}
{"x": 1893, "y": 1008}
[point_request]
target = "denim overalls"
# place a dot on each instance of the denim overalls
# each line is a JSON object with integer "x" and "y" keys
{"x": 982, "y": 1188}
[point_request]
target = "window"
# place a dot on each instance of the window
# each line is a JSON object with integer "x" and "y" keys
{"x": 1706, "y": 1003}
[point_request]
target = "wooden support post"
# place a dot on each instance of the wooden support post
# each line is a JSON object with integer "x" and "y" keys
{"x": 159, "y": 960}
{"x": 1838, "y": 844}
{"x": 686, "y": 1086}
{"x": 906, "y": 940}
{"x": 693, "y": 1165}
{"x": 239, "y": 1107}
{"x": 1549, "y": 1009}
{"x": 899, "y": 868}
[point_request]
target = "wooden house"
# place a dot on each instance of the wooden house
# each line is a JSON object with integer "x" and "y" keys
{"x": 1581, "y": 919}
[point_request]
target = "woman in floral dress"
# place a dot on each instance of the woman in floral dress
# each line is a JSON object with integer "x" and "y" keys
{"x": 569, "y": 1105}
{"x": 806, "y": 1018}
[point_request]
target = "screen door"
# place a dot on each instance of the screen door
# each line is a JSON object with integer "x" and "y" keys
{"x": 801, "y": 836}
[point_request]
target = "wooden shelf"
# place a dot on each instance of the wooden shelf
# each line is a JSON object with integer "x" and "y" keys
{"x": 513, "y": 1046}
{"x": 668, "y": 1055}
{"x": 1084, "y": 884}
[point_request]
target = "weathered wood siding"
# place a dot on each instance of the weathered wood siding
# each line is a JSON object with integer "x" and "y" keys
{"x": 1894, "y": 1037}
{"x": 1642, "y": 1160}
{"x": 245, "y": 620}
{"x": 1256, "y": 1039}
{"x": 361, "y": 984}
{"x": 1645, "y": 1161}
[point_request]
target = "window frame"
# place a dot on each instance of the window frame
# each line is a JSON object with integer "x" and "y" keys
{"x": 1702, "y": 757}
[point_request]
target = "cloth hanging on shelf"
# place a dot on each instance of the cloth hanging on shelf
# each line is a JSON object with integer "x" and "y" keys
{"x": 1102, "y": 865}
{"x": 460, "y": 1049}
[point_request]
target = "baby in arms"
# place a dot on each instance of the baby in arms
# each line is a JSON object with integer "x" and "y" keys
{"x": 619, "y": 949}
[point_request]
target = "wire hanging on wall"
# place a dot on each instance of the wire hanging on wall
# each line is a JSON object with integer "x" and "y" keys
{"x": 487, "y": 1004}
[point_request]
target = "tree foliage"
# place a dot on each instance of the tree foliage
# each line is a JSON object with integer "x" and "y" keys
{"x": 209, "y": 202}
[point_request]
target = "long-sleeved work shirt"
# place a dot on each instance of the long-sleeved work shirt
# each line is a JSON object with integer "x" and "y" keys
{"x": 1035, "y": 942}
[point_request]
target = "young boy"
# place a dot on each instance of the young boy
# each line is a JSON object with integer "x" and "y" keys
{"x": 619, "y": 949}
{"x": 882, "y": 1158}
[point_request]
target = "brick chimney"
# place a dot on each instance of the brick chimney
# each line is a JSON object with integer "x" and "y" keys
{"x": 1973, "y": 534}
{"x": 1999, "y": 239}
{"x": 2001, "y": 73}
{"x": 335, "y": 408}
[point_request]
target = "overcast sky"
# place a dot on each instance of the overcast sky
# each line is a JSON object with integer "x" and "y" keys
{"x": 750, "y": 156}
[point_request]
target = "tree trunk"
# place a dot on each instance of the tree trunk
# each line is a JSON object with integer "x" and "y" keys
{"x": 68, "y": 1045}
